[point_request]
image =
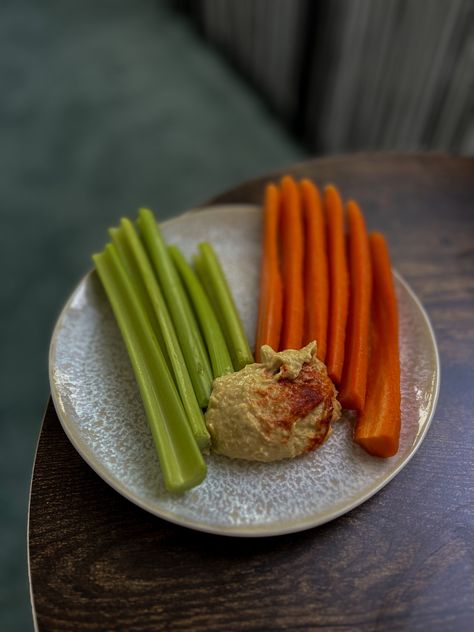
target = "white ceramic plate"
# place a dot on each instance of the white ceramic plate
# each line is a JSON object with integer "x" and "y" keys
{"x": 99, "y": 406}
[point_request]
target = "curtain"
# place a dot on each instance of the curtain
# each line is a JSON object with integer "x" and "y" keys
{"x": 350, "y": 75}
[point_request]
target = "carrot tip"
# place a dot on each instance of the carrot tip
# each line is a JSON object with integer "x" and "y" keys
{"x": 382, "y": 446}
{"x": 331, "y": 188}
{"x": 351, "y": 401}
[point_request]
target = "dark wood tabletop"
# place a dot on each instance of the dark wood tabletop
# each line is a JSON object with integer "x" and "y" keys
{"x": 403, "y": 560}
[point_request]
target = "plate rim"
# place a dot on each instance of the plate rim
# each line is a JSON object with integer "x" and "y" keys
{"x": 246, "y": 530}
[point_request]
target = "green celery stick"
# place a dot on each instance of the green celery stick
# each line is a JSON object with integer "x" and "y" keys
{"x": 187, "y": 329}
{"x": 181, "y": 461}
{"x": 128, "y": 262}
{"x": 165, "y": 326}
{"x": 212, "y": 277}
{"x": 212, "y": 332}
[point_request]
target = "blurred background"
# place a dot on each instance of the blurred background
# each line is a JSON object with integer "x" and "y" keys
{"x": 109, "y": 105}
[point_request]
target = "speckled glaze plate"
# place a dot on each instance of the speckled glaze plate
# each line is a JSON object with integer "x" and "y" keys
{"x": 99, "y": 406}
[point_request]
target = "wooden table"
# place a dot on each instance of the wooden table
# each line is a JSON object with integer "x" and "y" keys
{"x": 404, "y": 560}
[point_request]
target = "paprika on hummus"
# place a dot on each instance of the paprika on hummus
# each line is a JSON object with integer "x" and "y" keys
{"x": 275, "y": 410}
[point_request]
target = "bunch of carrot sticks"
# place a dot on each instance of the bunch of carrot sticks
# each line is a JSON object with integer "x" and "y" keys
{"x": 324, "y": 278}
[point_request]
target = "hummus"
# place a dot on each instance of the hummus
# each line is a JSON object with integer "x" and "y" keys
{"x": 273, "y": 410}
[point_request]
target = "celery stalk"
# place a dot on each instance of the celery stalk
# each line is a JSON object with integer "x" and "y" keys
{"x": 212, "y": 276}
{"x": 187, "y": 330}
{"x": 181, "y": 461}
{"x": 212, "y": 332}
{"x": 128, "y": 262}
{"x": 140, "y": 262}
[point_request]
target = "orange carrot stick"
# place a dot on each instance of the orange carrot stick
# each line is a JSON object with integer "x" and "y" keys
{"x": 316, "y": 281}
{"x": 356, "y": 355}
{"x": 378, "y": 426}
{"x": 292, "y": 250}
{"x": 338, "y": 283}
{"x": 271, "y": 293}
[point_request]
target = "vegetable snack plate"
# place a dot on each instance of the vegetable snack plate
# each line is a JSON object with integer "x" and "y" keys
{"x": 99, "y": 406}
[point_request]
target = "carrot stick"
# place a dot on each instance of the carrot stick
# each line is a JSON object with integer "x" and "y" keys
{"x": 271, "y": 292}
{"x": 316, "y": 281}
{"x": 378, "y": 426}
{"x": 291, "y": 227}
{"x": 338, "y": 283}
{"x": 356, "y": 356}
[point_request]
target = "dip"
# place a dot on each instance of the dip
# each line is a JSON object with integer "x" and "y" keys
{"x": 273, "y": 410}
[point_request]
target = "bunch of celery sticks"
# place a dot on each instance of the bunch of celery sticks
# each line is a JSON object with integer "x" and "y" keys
{"x": 181, "y": 329}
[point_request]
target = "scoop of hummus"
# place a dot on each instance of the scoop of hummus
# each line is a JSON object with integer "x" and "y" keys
{"x": 276, "y": 409}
